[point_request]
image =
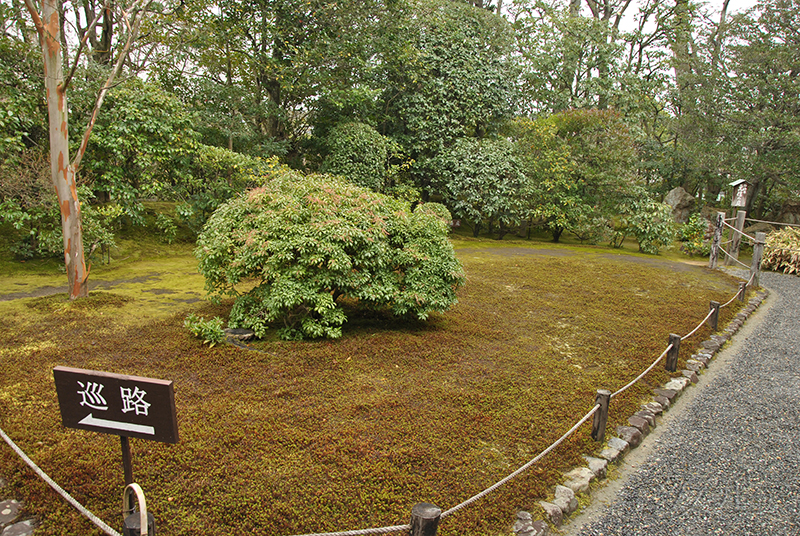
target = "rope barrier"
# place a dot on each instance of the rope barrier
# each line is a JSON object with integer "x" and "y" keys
{"x": 744, "y": 235}
{"x": 728, "y": 255}
{"x": 700, "y": 325}
{"x": 524, "y": 467}
{"x": 773, "y": 222}
{"x": 743, "y": 289}
{"x": 643, "y": 374}
{"x": 363, "y": 532}
{"x": 78, "y": 506}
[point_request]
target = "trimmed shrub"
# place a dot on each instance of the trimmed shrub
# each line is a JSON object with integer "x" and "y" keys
{"x": 309, "y": 240}
{"x": 782, "y": 251}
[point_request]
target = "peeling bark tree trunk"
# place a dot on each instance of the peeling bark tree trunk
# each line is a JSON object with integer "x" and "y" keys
{"x": 62, "y": 171}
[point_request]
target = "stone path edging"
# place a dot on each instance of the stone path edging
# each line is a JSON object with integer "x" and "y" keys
{"x": 578, "y": 480}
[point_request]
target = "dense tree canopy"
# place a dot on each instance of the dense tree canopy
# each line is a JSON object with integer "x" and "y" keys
{"x": 574, "y": 116}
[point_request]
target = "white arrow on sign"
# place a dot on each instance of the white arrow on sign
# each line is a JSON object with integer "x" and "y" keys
{"x": 89, "y": 420}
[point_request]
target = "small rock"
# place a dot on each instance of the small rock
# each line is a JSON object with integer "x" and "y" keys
{"x": 654, "y": 407}
{"x": 619, "y": 444}
{"x": 239, "y": 334}
{"x": 23, "y": 528}
{"x": 691, "y": 363}
{"x": 631, "y": 435}
{"x": 649, "y": 416}
{"x": 662, "y": 401}
{"x": 523, "y": 526}
{"x": 639, "y": 423}
{"x": 669, "y": 394}
{"x": 8, "y": 511}
{"x": 612, "y": 455}
{"x": 677, "y": 384}
{"x": 563, "y": 505}
{"x": 578, "y": 479}
{"x": 563, "y": 493}
{"x": 597, "y": 466}
{"x": 692, "y": 375}
{"x": 710, "y": 345}
{"x": 553, "y": 512}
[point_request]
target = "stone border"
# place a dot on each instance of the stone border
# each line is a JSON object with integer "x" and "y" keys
{"x": 578, "y": 480}
{"x": 9, "y": 513}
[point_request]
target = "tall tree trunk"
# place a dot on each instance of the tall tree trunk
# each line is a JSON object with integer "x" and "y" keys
{"x": 62, "y": 171}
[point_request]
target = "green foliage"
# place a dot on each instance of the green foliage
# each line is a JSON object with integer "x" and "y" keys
{"x": 358, "y": 152}
{"x": 213, "y": 176}
{"x": 309, "y": 240}
{"x": 553, "y": 191}
{"x": 782, "y": 251}
{"x": 449, "y": 75}
{"x": 481, "y": 181}
{"x": 35, "y": 229}
{"x": 648, "y": 220}
{"x": 167, "y": 229}
{"x": 210, "y": 331}
{"x": 692, "y": 234}
{"x": 141, "y": 146}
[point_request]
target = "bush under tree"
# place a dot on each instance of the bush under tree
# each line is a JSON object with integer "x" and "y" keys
{"x": 309, "y": 241}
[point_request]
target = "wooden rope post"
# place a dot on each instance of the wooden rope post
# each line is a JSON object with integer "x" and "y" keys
{"x": 603, "y": 397}
{"x": 742, "y": 290}
{"x": 758, "y": 251}
{"x": 672, "y": 355}
{"x": 425, "y": 519}
{"x": 737, "y": 237}
{"x": 718, "y": 225}
{"x": 715, "y": 316}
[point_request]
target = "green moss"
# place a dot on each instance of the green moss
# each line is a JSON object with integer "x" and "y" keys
{"x": 345, "y": 434}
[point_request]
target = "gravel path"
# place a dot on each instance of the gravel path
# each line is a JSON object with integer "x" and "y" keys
{"x": 729, "y": 461}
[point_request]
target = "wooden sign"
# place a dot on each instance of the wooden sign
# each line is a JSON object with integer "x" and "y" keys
{"x": 128, "y": 406}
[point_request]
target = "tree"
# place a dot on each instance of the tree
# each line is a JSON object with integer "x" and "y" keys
{"x": 552, "y": 197}
{"x": 257, "y": 69}
{"x": 764, "y": 111}
{"x": 481, "y": 182}
{"x": 358, "y": 152}
{"x": 449, "y": 75}
{"x": 63, "y": 172}
{"x": 308, "y": 241}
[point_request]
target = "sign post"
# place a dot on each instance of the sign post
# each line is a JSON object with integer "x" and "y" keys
{"x": 127, "y": 406}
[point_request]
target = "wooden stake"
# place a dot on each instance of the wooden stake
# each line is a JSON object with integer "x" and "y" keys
{"x": 603, "y": 397}
{"x": 672, "y": 355}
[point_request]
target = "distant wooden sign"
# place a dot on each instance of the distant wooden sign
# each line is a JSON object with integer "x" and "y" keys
{"x": 129, "y": 406}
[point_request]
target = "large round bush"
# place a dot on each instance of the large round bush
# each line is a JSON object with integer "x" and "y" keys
{"x": 309, "y": 240}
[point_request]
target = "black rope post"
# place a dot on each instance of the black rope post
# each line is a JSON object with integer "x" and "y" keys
{"x": 714, "y": 316}
{"x": 127, "y": 465}
{"x": 425, "y": 519}
{"x": 602, "y": 398}
{"x": 715, "y": 243}
{"x": 672, "y": 355}
{"x": 758, "y": 251}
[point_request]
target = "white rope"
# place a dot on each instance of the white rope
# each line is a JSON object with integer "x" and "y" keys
{"x": 774, "y": 222}
{"x": 78, "y": 506}
{"x": 523, "y": 468}
{"x": 642, "y": 375}
{"x": 363, "y": 532}
{"x": 700, "y": 325}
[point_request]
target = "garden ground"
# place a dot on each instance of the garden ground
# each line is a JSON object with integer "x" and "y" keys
{"x": 345, "y": 434}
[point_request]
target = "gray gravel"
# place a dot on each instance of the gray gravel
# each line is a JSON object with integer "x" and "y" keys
{"x": 729, "y": 463}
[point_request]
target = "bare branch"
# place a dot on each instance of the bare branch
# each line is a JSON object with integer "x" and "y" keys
{"x": 37, "y": 20}
{"x": 82, "y": 45}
